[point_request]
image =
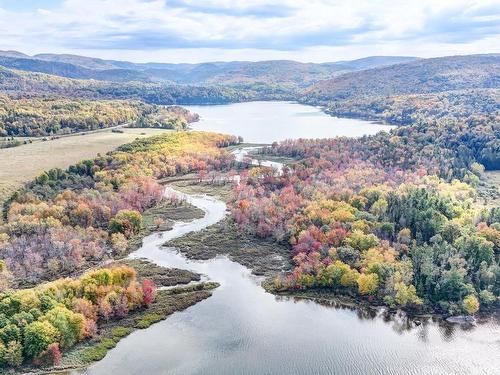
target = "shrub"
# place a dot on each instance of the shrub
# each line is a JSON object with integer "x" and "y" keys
{"x": 51, "y": 356}
{"x": 148, "y": 292}
{"x": 148, "y": 319}
{"x": 121, "y": 331}
{"x": 470, "y": 304}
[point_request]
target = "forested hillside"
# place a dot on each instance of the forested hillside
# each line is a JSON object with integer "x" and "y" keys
{"x": 38, "y": 116}
{"x": 453, "y": 102}
{"x": 416, "y": 77}
{"x": 20, "y": 83}
{"x": 478, "y": 104}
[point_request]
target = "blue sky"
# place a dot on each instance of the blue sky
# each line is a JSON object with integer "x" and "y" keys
{"x": 207, "y": 30}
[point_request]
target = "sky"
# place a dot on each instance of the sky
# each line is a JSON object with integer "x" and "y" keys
{"x": 223, "y": 30}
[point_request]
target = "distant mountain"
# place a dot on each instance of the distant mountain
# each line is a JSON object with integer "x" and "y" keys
{"x": 373, "y": 62}
{"x": 86, "y": 62}
{"x": 13, "y": 54}
{"x": 67, "y": 70}
{"x": 235, "y": 73}
{"x": 419, "y": 76}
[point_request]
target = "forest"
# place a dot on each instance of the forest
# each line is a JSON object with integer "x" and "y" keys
{"x": 20, "y": 83}
{"x": 68, "y": 220}
{"x": 386, "y": 218}
{"x": 464, "y": 105}
{"x": 39, "y": 116}
{"x": 393, "y": 218}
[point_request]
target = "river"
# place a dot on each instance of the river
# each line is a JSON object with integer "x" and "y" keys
{"x": 242, "y": 329}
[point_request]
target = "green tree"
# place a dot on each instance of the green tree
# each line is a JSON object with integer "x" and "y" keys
{"x": 476, "y": 250}
{"x": 486, "y": 297}
{"x": 127, "y": 222}
{"x": 406, "y": 294}
{"x": 37, "y": 336}
{"x": 9, "y": 333}
{"x": 68, "y": 323}
{"x": 360, "y": 241}
{"x": 14, "y": 354}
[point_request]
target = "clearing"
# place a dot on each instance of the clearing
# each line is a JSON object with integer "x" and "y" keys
{"x": 22, "y": 163}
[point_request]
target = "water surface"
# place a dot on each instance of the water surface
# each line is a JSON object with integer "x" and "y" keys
{"x": 266, "y": 122}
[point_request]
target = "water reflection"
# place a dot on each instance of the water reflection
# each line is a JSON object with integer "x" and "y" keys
{"x": 398, "y": 320}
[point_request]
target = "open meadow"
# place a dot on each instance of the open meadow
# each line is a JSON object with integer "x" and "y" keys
{"x": 22, "y": 163}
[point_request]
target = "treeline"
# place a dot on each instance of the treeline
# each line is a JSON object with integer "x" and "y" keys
{"x": 443, "y": 132}
{"x": 66, "y": 221}
{"x": 468, "y": 105}
{"x": 38, "y": 116}
{"x": 368, "y": 218}
{"x": 172, "y": 117}
{"x": 16, "y": 83}
{"x": 37, "y": 324}
{"x": 462, "y": 125}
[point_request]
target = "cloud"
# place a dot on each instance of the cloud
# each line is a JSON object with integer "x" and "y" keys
{"x": 278, "y": 27}
{"x": 153, "y": 39}
{"x": 460, "y": 23}
{"x": 262, "y": 10}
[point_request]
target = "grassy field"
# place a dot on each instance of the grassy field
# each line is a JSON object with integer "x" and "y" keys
{"x": 22, "y": 163}
{"x": 489, "y": 189}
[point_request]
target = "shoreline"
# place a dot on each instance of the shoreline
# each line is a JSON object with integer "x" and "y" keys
{"x": 224, "y": 235}
{"x": 167, "y": 302}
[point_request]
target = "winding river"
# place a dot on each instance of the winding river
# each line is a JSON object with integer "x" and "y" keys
{"x": 242, "y": 329}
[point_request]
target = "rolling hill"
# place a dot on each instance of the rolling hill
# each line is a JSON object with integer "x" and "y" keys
{"x": 18, "y": 83}
{"x": 419, "y": 76}
{"x": 235, "y": 73}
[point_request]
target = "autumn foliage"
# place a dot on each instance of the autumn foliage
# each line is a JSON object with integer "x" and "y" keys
{"x": 36, "y": 324}
{"x": 380, "y": 228}
{"x": 65, "y": 221}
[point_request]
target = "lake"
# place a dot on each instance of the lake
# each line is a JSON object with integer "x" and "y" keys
{"x": 242, "y": 329}
{"x": 266, "y": 122}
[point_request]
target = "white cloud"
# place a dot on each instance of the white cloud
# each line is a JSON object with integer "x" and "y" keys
{"x": 308, "y": 30}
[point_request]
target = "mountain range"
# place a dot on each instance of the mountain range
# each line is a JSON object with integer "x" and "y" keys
{"x": 235, "y": 73}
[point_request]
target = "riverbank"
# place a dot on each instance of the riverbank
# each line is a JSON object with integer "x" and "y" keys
{"x": 177, "y": 289}
{"x": 162, "y": 217}
{"x": 265, "y": 257}
{"x": 171, "y": 297}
